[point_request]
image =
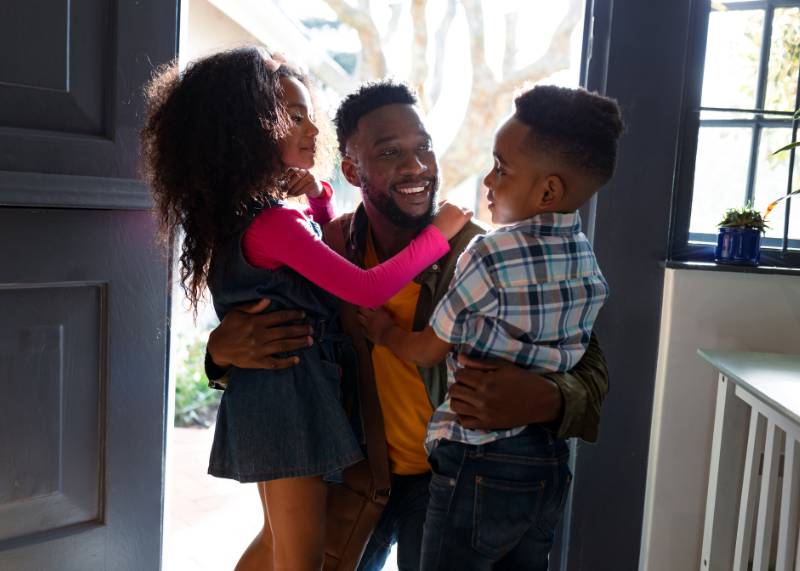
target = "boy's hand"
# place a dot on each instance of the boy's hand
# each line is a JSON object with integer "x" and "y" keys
{"x": 299, "y": 182}
{"x": 492, "y": 395}
{"x": 376, "y": 322}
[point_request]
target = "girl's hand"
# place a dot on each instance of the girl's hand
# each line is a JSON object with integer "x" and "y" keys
{"x": 450, "y": 219}
{"x": 299, "y": 182}
{"x": 376, "y": 322}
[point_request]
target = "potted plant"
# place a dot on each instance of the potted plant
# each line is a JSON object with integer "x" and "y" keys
{"x": 739, "y": 238}
{"x": 740, "y": 231}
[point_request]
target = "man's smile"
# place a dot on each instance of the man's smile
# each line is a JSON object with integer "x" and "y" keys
{"x": 416, "y": 192}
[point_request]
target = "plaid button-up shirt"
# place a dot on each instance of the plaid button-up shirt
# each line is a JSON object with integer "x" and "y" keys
{"x": 527, "y": 293}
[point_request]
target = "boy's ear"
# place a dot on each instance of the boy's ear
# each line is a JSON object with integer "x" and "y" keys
{"x": 350, "y": 171}
{"x": 554, "y": 191}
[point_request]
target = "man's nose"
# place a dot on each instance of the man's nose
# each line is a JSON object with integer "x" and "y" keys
{"x": 412, "y": 164}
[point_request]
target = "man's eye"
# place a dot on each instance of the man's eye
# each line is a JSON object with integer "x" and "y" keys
{"x": 388, "y": 152}
{"x": 426, "y": 146}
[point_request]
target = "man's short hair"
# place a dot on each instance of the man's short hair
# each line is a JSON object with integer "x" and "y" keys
{"x": 576, "y": 126}
{"x": 368, "y": 97}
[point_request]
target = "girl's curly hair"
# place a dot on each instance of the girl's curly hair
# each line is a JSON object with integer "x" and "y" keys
{"x": 210, "y": 150}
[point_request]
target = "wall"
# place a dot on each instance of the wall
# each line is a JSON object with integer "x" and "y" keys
{"x": 638, "y": 56}
{"x": 205, "y": 30}
{"x": 712, "y": 310}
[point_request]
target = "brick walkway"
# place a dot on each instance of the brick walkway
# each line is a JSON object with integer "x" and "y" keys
{"x": 208, "y": 521}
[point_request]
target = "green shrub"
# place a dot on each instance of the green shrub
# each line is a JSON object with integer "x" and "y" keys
{"x": 195, "y": 403}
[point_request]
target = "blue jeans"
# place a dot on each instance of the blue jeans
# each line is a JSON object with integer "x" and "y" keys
{"x": 401, "y": 523}
{"x": 497, "y": 505}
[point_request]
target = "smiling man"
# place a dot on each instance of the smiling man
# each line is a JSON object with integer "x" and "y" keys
{"x": 387, "y": 153}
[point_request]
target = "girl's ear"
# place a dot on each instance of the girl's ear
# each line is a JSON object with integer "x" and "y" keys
{"x": 554, "y": 191}
{"x": 350, "y": 171}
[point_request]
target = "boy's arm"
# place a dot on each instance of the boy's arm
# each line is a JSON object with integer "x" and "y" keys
{"x": 423, "y": 348}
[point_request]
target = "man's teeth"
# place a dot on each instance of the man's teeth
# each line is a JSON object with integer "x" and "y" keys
{"x": 411, "y": 190}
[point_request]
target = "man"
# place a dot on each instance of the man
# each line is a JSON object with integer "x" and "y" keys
{"x": 387, "y": 153}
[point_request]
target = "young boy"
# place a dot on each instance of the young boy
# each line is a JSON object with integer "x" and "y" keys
{"x": 528, "y": 293}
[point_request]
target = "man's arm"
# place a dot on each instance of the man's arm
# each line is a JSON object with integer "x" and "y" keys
{"x": 247, "y": 338}
{"x": 494, "y": 395}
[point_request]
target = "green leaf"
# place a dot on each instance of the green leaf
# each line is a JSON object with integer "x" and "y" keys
{"x": 787, "y": 147}
{"x": 797, "y": 114}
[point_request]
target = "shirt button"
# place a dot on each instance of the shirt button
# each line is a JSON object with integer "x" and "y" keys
{"x": 435, "y": 267}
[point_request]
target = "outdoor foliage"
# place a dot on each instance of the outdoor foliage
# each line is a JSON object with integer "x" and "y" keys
{"x": 195, "y": 403}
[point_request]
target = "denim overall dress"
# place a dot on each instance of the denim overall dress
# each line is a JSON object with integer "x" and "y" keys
{"x": 282, "y": 423}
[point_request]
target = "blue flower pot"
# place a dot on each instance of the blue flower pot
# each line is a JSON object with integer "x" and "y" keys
{"x": 738, "y": 246}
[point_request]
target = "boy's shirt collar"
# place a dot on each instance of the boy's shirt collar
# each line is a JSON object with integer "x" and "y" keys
{"x": 548, "y": 224}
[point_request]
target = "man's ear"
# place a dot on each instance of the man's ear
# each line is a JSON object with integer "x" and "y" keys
{"x": 554, "y": 191}
{"x": 350, "y": 171}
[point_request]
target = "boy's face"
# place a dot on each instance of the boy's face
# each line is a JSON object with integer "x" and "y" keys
{"x": 518, "y": 181}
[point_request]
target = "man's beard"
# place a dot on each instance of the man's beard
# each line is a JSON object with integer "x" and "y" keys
{"x": 385, "y": 204}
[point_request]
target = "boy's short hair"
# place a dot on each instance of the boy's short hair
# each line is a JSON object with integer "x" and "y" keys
{"x": 577, "y": 126}
{"x": 367, "y": 98}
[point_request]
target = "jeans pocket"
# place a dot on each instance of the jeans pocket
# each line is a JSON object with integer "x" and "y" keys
{"x": 504, "y": 511}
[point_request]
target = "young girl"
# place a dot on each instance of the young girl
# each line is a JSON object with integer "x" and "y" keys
{"x": 224, "y": 143}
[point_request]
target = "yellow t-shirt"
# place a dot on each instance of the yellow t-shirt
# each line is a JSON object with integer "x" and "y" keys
{"x": 404, "y": 401}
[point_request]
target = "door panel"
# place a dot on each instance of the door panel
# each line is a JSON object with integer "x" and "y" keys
{"x": 51, "y": 429}
{"x": 53, "y": 69}
{"x": 83, "y": 295}
{"x": 71, "y": 80}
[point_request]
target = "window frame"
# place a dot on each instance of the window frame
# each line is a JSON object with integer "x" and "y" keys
{"x": 686, "y": 247}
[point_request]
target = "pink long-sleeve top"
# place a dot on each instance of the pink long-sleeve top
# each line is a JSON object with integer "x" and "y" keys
{"x": 281, "y": 236}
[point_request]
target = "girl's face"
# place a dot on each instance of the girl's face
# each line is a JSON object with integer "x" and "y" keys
{"x": 298, "y": 146}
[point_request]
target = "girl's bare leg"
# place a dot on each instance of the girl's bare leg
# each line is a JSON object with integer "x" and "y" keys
{"x": 258, "y": 555}
{"x": 296, "y": 510}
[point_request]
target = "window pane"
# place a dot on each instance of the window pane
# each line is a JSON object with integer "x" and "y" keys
{"x": 732, "y": 53}
{"x": 771, "y": 177}
{"x": 777, "y": 217}
{"x": 720, "y": 175}
{"x": 784, "y": 60}
{"x": 794, "y": 213}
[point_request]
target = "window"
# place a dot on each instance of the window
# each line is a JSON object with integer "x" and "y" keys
{"x": 742, "y": 90}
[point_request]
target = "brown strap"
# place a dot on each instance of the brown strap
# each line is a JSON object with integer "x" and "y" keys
{"x": 377, "y": 454}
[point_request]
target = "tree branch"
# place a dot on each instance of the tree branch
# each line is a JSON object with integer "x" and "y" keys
{"x": 510, "y": 52}
{"x": 441, "y": 45}
{"x": 554, "y": 59}
{"x": 474, "y": 13}
{"x": 394, "y": 21}
{"x": 373, "y": 61}
{"x": 419, "y": 51}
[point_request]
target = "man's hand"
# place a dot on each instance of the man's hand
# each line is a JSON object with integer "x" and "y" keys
{"x": 376, "y": 322}
{"x": 247, "y": 338}
{"x": 494, "y": 395}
